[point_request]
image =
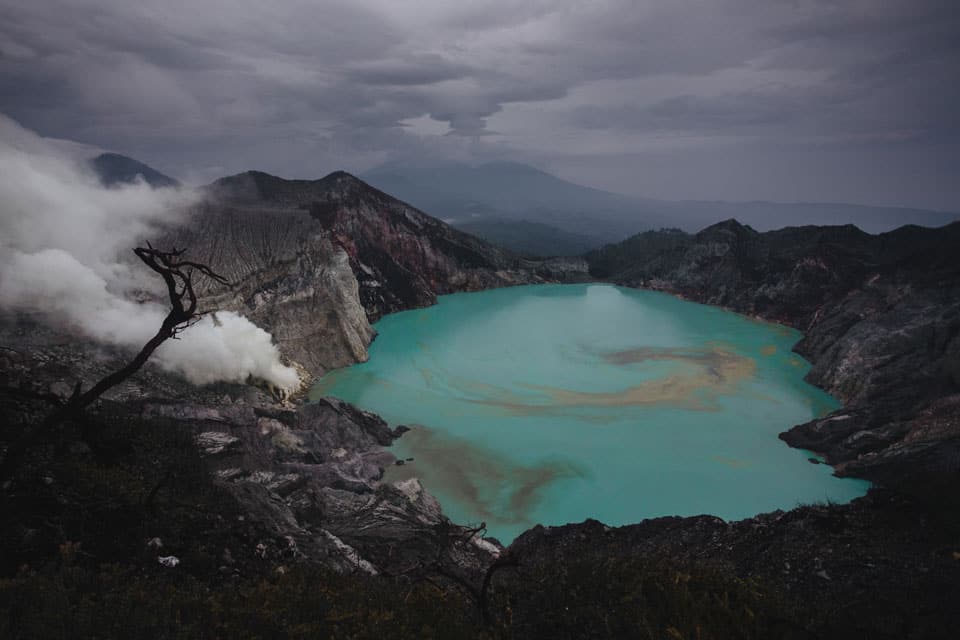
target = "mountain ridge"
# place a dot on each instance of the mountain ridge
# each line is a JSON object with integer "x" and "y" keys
{"x": 113, "y": 169}
{"x": 463, "y": 193}
{"x": 548, "y": 216}
{"x": 880, "y": 315}
{"x": 316, "y": 262}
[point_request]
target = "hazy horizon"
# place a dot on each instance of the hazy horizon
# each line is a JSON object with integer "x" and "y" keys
{"x": 366, "y": 176}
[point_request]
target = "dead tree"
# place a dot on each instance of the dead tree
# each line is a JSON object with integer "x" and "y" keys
{"x": 177, "y": 274}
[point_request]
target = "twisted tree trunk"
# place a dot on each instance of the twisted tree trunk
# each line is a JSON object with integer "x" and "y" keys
{"x": 178, "y": 276}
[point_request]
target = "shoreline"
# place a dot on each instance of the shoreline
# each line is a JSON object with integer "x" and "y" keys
{"x": 751, "y": 317}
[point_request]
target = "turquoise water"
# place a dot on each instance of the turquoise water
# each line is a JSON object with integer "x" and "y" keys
{"x": 555, "y": 403}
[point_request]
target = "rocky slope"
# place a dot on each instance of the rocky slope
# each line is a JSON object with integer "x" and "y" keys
{"x": 880, "y": 314}
{"x": 315, "y": 262}
{"x": 884, "y": 566}
{"x": 304, "y": 479}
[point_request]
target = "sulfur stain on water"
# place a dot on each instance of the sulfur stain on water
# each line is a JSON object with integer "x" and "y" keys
{"x": 495, "y": 488}
{"x": 555, "y": 403}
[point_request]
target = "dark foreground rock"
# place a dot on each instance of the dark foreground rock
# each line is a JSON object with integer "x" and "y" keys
{"x": 304, "y": 479}
{"x": 884, "y": 566}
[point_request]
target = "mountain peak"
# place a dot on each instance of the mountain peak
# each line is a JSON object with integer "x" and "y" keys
{"x": 731, "y": 225}
{"x": 114, "y": 169}
{"x": 509, "y": 165}
{"x": 254, "y": 186}
{"x": 340, "y": 174}
{"x": 343, "y": 180}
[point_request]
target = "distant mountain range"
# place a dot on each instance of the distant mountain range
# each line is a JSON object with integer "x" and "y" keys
{"x": 502, "y": 200}
{"x": 493, "y": 198}
{"x": 529, "y": 238}
{"x": 533, "y": 213}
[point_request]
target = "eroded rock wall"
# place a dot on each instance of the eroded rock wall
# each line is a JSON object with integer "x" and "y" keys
{"x": 289, "y": 278}
{"x": 880, "y": 314}
{"x": 316, "y": 262}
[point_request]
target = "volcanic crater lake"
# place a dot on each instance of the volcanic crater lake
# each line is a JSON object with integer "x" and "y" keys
{"x": 550, "y": 404}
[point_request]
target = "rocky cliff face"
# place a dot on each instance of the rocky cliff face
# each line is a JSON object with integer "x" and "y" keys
{"x": 288, "y": 277}
{"x": 315, "y": 262}
{"x": 880, "y": 313}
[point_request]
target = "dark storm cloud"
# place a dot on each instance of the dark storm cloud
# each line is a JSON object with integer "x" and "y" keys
{"x": 828, "y": 20}
{"x": 415, "y": 70}
{"x": 832, "y": 112}
{"x": 300, "y": 87}
{"x": 726, "y": 113}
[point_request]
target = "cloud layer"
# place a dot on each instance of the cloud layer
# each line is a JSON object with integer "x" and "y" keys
{"x": 676, "y": 98}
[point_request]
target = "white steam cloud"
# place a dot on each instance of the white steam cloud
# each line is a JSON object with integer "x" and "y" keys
{"x": 61, "y": 238}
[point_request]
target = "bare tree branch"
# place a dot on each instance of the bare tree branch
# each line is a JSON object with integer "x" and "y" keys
{"x": 177, "y": 274}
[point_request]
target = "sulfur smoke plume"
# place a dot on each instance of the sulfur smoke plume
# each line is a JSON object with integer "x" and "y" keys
{"x": 63, "y": 238}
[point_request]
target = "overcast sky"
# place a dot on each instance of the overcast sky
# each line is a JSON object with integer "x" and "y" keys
{"x": 816, "y": 100}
